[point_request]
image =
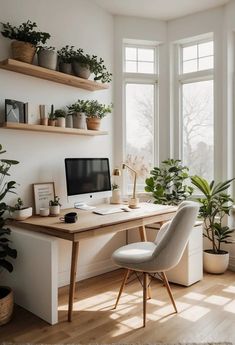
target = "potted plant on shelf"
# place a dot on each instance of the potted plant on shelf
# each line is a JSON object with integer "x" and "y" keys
{"x": 6, "y": 293}
{"x": 215, "y": 204}
{"x": 51, "y": 117}
{"x": 116, "y": 194}
{"x": 96, "y": 111}
{"x": 65, "y": 56}
{"x": 78, "y": 111}
{"x": 168, "y": 183}
{"x": 19, "y": 212}
{"x": 60, "y": 116}
{"x": 55, "y": 206}
{"x": 26, "y": 40}
{"x": 84, "y": 64}
{"x": 47, "y": 57}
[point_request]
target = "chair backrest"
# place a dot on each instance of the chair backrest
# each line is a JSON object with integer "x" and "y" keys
{"x": 170, "y": 248}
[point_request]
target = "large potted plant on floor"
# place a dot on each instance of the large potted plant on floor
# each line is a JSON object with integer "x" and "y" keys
{"x": 6, "y": 252}
{"x": 25, "y": 40}
{"x": 216, "y": 203}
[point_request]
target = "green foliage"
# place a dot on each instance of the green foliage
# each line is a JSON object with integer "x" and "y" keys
{"x": 25, "y": 33}
{"x": 78, "y": 107}
{"x": 52, "y": 114}
{"x": 59, "y": 113}
{"x": 46, "y": 48}
{"x": 66, "y": 54}
{"x": 55, "y": 202}
{"x": 94, "y": 64}
{"x": 19, "y": 205}
{"x": 97, "y": 110}
{"x": 168, "y": 183}
{"x": 5, "y": 187}
{"x": 115, "y": 186}
{"x": 215, "y": 204}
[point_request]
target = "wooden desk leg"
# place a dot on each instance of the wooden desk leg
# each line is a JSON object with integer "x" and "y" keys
{"x": 143, "y": 238}
{"x": 74, "y": 260}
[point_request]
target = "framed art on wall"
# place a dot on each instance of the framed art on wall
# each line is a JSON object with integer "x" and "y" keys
{"x": 43, "y": 193}
{"x": 14, "y": 111}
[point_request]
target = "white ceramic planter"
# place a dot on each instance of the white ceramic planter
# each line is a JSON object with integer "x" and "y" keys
{"x": 215, "y": 263}
{"x": 116, "y": 197}
{"x": 60, "y": 122}
{"x": 22, "y": 214}
{"x": 55, "y": 210}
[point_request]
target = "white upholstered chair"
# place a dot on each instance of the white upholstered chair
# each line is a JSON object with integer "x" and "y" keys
{"x": 162, "y": 254}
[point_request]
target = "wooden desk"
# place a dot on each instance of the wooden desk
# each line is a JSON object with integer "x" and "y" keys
{"x": 90, "y": 225}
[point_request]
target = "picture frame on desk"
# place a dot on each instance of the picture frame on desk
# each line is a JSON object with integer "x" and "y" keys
{"x": 43, "y": 193}
{"x": 14, "y": 111}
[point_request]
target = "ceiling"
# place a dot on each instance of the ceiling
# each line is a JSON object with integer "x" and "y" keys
{"x": 158, "y": 9}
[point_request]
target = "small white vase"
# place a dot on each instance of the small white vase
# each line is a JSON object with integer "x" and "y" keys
{"x": 215, "y": 263}
{"x": 60, "y": 122}
{"x": 22, "y": 214}
{"x": 116, "y": 197}
{"x": 55, "y": 210}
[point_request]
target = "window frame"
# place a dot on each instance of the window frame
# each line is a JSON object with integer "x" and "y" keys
{"x": 141, "y": 46}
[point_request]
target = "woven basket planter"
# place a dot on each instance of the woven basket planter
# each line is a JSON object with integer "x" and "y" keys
{"x": 23, "y": 51}
{"x": 6, "y": 304}
{"x": 93, "y": 123}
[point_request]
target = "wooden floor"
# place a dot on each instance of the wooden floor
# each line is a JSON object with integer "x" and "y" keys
{"x": 206, "y": 313}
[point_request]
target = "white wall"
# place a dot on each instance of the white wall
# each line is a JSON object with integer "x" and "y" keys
{"x": 41, "y": 155}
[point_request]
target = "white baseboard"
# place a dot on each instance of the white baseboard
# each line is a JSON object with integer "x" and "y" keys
{"x": 231, "y": 263}
{"x": 87, "y": 271}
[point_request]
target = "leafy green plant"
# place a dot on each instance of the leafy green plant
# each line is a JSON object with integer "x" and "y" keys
{"x": 55, "y": 202}
{"x": 51, "y": 114}
{"x": 78, "y": 107}
{"x": 215, "y": 204}
{"x": 6, "y": 251}
{"x": 66, "y": 54}
{"x": 46, "y": 48}
{"x": 168, "y": 183}
{"x": 25, "y": 32}
{"x": 19, "y": 205}
{"x": 59, "y": 113}
{"x": 115, "y": 186}
{"x": 94, "y": 109}
{"x": 94, "y": 64}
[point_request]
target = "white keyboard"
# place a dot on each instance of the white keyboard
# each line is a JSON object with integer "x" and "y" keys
{"x": 107, "y": 210}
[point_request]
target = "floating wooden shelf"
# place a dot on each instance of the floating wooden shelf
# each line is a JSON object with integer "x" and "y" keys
{"x": 57, "y": 77}
{"x": 51, "y": 129}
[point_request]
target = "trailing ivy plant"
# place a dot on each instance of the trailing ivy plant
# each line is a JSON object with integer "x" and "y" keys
{"x": 25, "y": 32}
{"x": 6, "y": 187}
{"x": 167, "y": 183}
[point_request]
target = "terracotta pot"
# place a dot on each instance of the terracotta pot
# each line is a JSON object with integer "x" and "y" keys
{"x": 93, "y": 123}
{"x": 22, "y": 214}
{"x": 47, "y": 59}
{"x": 44, "y": 121}
{"x": 215, "y": 263}
{"x": 23, "y": 51}
{"x": 6, "y": 304}
{"x": 51, "y": 122}
{"x": 81, "y": 70}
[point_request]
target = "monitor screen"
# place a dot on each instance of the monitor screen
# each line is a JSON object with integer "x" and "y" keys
{"x": 87, "y": 175}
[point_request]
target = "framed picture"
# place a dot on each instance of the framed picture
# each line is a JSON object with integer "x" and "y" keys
{"x": 43, "y": 193}
{"x": 14, "y": 111}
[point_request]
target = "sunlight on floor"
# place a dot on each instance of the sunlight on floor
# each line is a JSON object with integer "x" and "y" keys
{"x": 195, "y": 296}
{"x": 230, "y": 289}
{"x": 218, "y": 300}
{"x": 230, "y": 307}
{"x": 194, "y": 313}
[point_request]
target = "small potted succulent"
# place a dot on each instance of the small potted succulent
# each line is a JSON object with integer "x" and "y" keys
{"x": 65, "y": 56}
{"x": 25, "y": 40}
{"x": 19, "y": 212}
{"x": 78, "y": 111}
{"x": 47, "y": 57}
{"x": 96, "y": 111}
{"x": 51, "y": 117}
{"x": 215, "y": 203}
{"x": 60, "y": 116}
{"x": 55, "y": 206}
{"x": 116, "y": 194}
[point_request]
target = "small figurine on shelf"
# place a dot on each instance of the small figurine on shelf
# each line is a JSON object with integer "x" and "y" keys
{"x": 55, "y": 206}
{"x": 116, "y": 194}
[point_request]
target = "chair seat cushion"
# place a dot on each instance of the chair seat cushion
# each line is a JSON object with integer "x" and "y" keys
{"x": 134, "y": 254}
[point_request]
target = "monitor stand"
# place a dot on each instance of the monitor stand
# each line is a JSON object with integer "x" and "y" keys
{"x": 83, "y": 206}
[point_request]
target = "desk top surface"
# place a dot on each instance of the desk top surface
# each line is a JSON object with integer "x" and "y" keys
{"x": 87, "y": 220}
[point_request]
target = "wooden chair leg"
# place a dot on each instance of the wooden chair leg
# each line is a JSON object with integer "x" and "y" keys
{"x": 126, "y": 275}
{"x": 145, "y": 294}
{"x": 169, "y": 290}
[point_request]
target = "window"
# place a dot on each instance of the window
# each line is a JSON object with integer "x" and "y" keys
{"x": 197, "y": 108}
{"x": 140, "y": 60}
{"x": 140, "y": 111}
{"x": 197, "y": 57}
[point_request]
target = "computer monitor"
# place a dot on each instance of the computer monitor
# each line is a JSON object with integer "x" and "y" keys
{"x": 88, "y": 178}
